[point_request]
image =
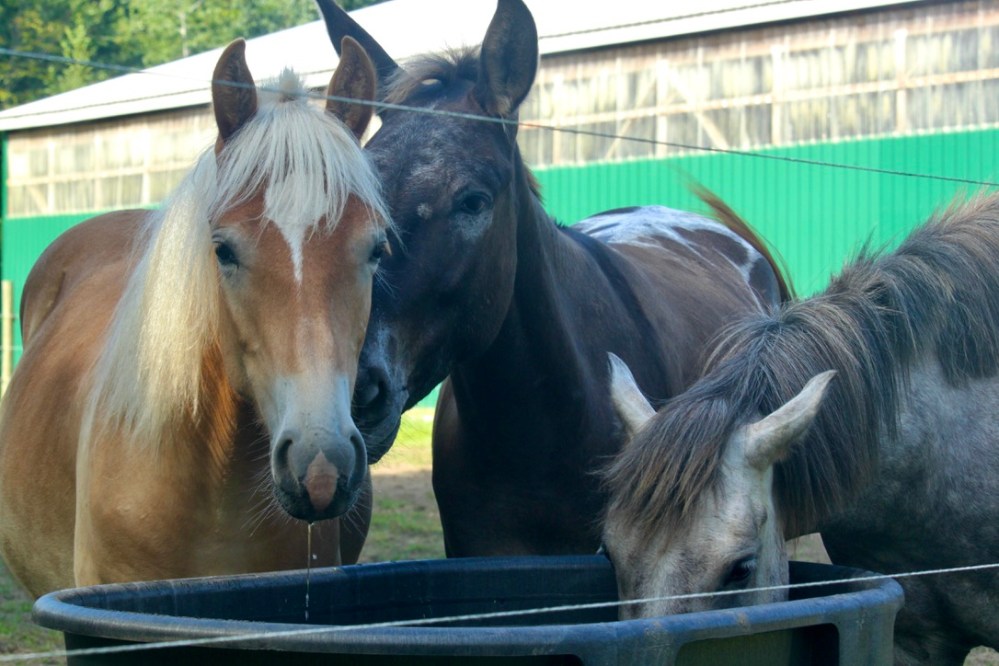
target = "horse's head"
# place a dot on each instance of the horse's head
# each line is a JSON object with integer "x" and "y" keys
{"x": 295, "y": 258}
{"x": 452, "y": 186}
{"x": 693, "y": 514}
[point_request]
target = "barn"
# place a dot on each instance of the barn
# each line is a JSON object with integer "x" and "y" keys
{"x": 826, "y": 124}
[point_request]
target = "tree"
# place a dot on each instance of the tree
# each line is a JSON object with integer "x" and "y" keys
{"x": 129, "y": 33}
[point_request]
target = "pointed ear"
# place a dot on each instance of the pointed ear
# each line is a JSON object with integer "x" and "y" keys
{"x": 629, "y": 403}
{"x": 234, "y": 104}
{"x": 340, "y": 25}
{"x": 509, "y": 59}
{"x": 354, "y": 78}
{"x": 769, "y": 439}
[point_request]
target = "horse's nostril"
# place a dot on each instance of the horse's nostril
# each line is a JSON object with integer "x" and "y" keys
{"x": 356, "y": 440}
{"x": 283, "y": 449}
{"x": 371, "y": 390}
{"x": 366, "y": 394}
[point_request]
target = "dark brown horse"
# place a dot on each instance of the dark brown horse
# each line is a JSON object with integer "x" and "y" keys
{"x": 486, "y": 288}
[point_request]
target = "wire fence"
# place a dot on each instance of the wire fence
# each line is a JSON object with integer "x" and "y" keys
{"x": 197, "y": 84}
{"x": 382, "y": 106}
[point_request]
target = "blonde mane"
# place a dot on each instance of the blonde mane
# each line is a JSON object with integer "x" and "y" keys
{"x": 150, "y": 375}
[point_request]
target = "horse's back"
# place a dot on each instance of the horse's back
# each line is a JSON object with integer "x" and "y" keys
{"x": 80, "y": 251}
{"x": 691, "y": 275}
{"x": 66, "y": 305}
{"x": 708, "y": 246}
{"x": 933, "y": 505}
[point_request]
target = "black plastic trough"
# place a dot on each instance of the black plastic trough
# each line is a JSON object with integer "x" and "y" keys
{"x": 845, "y": 623}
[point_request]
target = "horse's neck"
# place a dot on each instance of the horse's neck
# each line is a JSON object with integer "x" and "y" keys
{"x": 542, "y": 354}
{"x": 205, "y": 440}
{"x": 945, "y": 442}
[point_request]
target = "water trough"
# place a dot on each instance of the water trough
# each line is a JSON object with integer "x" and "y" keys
{"x": 843, "y": 623}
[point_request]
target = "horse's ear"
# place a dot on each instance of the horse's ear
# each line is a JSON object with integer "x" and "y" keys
{"x": 629, "y": 403}
{"x": 354, "y": 78}
{"x": 233, "y": 94}
{"x": 340, "y": 25}
{"x": 509, "y": 59}
{"x": 769, "y": 439}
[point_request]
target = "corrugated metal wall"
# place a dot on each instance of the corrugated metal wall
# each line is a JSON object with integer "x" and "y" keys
{"x": 24, "y": 240}
{"x": 814, "y": 215}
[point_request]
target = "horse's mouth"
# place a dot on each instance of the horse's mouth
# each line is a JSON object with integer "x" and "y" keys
{"x": 298, "y": 504}
{"x": 318, "y": 483}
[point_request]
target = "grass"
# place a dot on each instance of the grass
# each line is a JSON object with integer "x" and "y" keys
{"x": 405, "y": 525}
{"x": 17, "y": 632}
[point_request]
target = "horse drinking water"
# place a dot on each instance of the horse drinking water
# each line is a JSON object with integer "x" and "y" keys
{"x": 484, "y": 287}
{"x": 176, "y": 360}
{"x": 869, "y": 412}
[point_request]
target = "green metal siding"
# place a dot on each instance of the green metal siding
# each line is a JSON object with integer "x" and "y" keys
{"x": 24, "y": 239}
{"x": 3, "y": 175}
{"x": 815, "y": 216}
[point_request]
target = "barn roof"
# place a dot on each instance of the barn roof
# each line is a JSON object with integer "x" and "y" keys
{"x": 563, "y": 25}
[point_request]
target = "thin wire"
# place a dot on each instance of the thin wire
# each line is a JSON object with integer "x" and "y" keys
{"x": 478, "y": 118}
{"x": 669, "y": 19}
{"x": 474, "y": 117}
{"x": 63, "y": 60}
{"x": 216, "y": 640}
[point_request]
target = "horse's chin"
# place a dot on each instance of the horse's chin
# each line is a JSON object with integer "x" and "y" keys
{"x": 378, "y": 438}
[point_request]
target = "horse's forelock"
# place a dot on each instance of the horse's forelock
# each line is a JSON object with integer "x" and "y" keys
{"x": 430, "y": 75}
{"x": 673, "y": 460}
{"x": 148, "y": 376}
{"x": 307, "y": 163}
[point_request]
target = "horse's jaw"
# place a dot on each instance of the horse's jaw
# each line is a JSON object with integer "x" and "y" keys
{"x": 377, "y": 410}
{"x": 381, "y": 392}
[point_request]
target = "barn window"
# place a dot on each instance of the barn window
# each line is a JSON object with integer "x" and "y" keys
{"x": 907, "y": 70}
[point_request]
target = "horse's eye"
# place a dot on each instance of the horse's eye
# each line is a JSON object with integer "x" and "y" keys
{"x": 225, "y": 255}
{"x": 740, "y": 573}
{"x": 474, "y": 203}
{"x": 380, "y": 250}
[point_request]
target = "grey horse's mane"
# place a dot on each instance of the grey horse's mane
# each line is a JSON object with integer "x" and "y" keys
{"x": 937, "y": 294}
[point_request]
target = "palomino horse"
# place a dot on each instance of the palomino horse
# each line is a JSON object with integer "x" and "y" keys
{"x": 172, "y": 358}
{"x": 520, "y": 311}
{"x": 869, "y": 412}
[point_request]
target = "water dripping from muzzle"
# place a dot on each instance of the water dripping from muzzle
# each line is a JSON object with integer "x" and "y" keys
{"x": 308, "y": 567}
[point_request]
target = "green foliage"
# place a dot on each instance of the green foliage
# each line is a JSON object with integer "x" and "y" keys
{"x": 130, "y": 33}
